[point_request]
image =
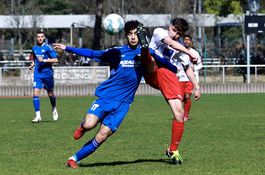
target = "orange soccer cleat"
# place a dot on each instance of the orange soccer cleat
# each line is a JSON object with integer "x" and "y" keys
{"x": 71, "y": 163}
{"x": 79, "y": 132}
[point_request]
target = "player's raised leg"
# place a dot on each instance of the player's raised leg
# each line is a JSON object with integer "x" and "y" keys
{"x": 146, "y": 57}
{"x": 141, "y": 33}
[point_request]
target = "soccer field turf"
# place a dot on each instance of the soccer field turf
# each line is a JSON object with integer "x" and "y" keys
{"x": 226, "y": 136}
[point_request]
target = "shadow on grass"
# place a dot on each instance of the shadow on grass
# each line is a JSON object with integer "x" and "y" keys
{"x": 43, "y": 121}
{"x": 115, "y": 163}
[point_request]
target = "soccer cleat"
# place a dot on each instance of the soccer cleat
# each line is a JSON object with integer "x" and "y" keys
{"x": 55, "y": 115}
{"x": 174, "y": 156}
{"x": 36, "y": 120}
{"x": 71, "y": 163}
{"x": 141, "y": 33}
{"x": 79, "y": 132}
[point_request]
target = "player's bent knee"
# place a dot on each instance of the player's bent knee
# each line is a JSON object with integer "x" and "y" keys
{"x": 88, "y": 126}
{"x": 101, "y": 137}
{"x": 179, "y": 117}
{"x": 179, "y": 114}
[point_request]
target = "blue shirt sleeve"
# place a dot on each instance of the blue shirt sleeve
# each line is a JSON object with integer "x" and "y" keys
{"x": 112, "y": 56}
{"x": 93, "y": 54}
{"x": 163, "y": 62}
{"x": 80, "y": 51}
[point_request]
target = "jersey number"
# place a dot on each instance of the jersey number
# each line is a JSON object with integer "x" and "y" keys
{"x": 94, "y": 107}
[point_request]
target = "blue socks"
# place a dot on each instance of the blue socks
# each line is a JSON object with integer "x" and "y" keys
{"x": 87, "y": 149}
{"x": 36, "y": 103}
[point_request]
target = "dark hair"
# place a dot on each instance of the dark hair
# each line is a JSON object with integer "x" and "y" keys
{"x": 130, "y": 25}
{"x": 181, "y": 24}
{"x": 40, "y": 31}
{"x": 187, "y": 36}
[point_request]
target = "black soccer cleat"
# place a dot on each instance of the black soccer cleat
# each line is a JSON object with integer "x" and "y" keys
{"x": 141, "y": 33}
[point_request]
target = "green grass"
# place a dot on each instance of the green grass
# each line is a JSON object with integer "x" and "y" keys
{"x": 226, "y": 136}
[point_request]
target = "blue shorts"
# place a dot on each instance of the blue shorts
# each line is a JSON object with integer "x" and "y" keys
{"x": 110, "y": 112}
{"x": 46, "y": 83}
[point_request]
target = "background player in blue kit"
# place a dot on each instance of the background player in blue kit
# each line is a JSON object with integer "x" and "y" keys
{"x": 116, "y": 94}
{"x": 43, "y": 56}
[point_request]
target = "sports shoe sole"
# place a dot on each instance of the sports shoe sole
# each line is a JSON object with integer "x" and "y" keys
{"x": 35, "y": 121}
{"x": 142, "y": 36}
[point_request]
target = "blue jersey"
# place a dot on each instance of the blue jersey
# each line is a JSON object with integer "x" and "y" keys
{"x": 126, "y": 71}
{"x": 42, "y": 69}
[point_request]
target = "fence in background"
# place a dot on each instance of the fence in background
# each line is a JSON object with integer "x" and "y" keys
{"x": 81, "y": 81}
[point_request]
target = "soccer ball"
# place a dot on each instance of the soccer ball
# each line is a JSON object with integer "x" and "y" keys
{"x": 113, "y": 24}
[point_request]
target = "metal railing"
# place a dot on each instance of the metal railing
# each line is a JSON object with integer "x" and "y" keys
{"x": 81, "y": 81}
{"x": 232, "y": 74}
{"x": 221, "y": 74}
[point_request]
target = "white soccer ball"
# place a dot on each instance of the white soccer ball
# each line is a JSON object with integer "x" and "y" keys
{"x": 113, "y": 24}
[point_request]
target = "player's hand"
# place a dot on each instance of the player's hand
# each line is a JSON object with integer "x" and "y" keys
{"x": 197, "y": 94}
{"x": 58, "y": 46}
{"x": 193, "y": 58}
{"x": 40, "y": 58}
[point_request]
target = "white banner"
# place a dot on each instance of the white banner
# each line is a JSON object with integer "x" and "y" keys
{"x": 73, "y": 75}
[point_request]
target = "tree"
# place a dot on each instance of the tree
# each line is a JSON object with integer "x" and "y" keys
{"x": 97, "y": 28}
{"x": 56, "y": 6}
{"x": 223, "y": 8}
{"x": 19, "y": 9}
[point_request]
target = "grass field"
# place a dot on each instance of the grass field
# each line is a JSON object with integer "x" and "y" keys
{"x": 225, "y": 136}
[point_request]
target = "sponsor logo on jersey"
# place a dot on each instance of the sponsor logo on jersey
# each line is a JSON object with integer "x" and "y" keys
{"x": 130, "y": 63}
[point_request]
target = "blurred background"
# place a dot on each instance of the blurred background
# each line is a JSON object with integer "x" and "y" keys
{"x": 218, "y": 32}
{"x": 217, "y": 28}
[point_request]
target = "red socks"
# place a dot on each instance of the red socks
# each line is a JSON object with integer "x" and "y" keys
{"x": 187, "y": 105}
{"x": 146, "y": 57}
{"x": 177, "y": 131}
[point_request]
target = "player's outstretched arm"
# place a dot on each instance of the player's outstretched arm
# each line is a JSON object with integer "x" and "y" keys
{"x": 79, "y": 51}
{"x": 179, "y": 47}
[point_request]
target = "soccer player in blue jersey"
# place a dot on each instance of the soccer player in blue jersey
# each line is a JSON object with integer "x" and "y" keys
{"x": 43, "y": 57}
{"x": 116, "y": 94}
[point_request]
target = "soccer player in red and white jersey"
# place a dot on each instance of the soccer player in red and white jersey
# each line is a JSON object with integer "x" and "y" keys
{"x": 165, "y": 45}
{"x": 188, "y": 86}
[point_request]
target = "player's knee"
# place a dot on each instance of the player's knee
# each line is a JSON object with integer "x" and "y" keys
{"x": 102, "y": 136}
{"x": 88, "y": 126}
{"x": 179, "y": 118}
{"x": 179, "y": 115}
{"x": 50, "y": 94}
{"x": 36, "y": 94}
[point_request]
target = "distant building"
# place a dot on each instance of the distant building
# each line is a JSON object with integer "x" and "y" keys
{"x": 83, "y": 21}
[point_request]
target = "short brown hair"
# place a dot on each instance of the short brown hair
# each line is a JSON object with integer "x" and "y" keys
{"x": 181, "y": 24}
